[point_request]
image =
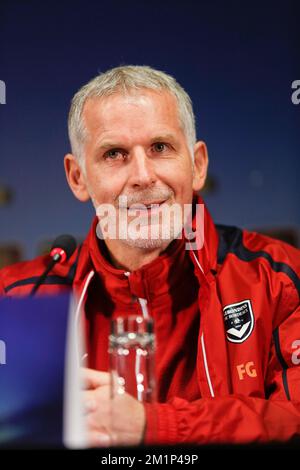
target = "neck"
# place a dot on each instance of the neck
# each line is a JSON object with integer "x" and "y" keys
{"x": 131, "y": 258}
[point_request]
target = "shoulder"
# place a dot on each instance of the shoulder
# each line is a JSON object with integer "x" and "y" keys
{"x": 21, "y": 274}
{"x": 236, "y": 240}
{"x": 257, "y": 250}
{"x": 19, "y": 278}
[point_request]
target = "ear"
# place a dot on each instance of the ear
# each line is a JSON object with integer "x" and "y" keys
{"x": 200, "y": 165}
{"x": 75, "y": 177}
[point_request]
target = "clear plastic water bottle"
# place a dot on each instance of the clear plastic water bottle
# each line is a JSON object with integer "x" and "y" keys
{"x": 132, "y": 357}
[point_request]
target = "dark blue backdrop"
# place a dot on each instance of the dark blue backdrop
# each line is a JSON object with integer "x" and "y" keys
{"x": 237, "y": 61}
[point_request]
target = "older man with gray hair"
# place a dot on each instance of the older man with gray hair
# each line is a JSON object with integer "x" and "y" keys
{"x": 225, "y": 307}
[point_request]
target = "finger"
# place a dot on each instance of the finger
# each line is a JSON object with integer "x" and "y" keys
{"x": 89, "y": 401}
{"x": 98, "y": 439}
{"x": 93, "y": 399}
{"x": 94, "y": 378}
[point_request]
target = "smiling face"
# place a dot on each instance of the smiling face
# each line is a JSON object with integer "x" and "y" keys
{"x": 135, "y": 147}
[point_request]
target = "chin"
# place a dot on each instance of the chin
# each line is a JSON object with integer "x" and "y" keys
{"x": 147, "y": 244}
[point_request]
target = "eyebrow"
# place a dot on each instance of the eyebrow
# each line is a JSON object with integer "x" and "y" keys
{"x": 106, "y": 144}
{"x": 168, "y": 137}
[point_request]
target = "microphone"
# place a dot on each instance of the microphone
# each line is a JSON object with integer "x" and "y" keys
{"x": 62, "y": 249}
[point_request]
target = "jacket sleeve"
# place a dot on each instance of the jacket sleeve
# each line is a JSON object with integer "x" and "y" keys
{"x": 238, "y": 418}
{"x": 2, "y": 291}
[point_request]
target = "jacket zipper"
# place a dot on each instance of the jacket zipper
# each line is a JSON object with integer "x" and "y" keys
{"x": 142, "y": 302}
{"x": 207, "y": 374}
{"x": 145, "y": 312}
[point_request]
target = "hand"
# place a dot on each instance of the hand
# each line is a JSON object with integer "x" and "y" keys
{"x": 117, "y": 421}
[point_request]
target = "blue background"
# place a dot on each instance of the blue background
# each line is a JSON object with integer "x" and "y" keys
{"x": 236, "y": 60}
{"x": 32, "y": 379}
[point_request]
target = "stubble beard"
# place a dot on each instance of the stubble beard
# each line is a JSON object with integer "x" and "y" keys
{"x": 147, "y": 243}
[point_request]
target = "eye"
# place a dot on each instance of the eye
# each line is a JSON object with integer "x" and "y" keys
{"x": 114, "y": 154}
{"x": 160, "y": 147}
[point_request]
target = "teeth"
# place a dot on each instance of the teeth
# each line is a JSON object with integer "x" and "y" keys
{"x": 147, "y": 206}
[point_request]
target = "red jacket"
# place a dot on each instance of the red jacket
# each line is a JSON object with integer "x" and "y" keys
{"x": 227, "y": 322}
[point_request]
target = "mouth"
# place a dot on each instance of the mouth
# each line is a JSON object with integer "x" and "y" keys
{"x": 145, "y": 207}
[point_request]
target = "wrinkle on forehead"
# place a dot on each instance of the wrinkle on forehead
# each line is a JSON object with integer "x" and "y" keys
{"x": 138, "y": 98}
{"x": 133, "y": 110}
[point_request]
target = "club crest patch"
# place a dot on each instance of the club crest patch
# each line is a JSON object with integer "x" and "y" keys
{"x": 239, "y": 321}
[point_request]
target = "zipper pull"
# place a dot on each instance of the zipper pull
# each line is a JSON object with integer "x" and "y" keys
{"x": 143, "y": 304}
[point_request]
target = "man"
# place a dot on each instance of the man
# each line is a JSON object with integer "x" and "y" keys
{"x": 226, "y": 309}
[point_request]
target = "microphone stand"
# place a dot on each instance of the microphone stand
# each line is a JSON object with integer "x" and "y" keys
{"x": 41, "y": 279}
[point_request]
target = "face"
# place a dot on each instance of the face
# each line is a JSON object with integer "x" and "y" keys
{"x": 136, "y": 154}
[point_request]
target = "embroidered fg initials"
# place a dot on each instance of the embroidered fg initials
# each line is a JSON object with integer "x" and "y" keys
{"x": 248, "y": 369}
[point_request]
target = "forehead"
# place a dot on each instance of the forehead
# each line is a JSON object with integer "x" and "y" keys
{"x": 142, "y": 111}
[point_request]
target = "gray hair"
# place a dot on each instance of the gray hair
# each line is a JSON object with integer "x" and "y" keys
{"x": 122, "y": 80}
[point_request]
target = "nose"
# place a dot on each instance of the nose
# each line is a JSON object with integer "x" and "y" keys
{"x": 142, "y": 174}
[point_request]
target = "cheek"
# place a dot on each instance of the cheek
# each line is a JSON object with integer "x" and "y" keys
{"x": 105, "y": 189}
{"x": 180, "y": 179}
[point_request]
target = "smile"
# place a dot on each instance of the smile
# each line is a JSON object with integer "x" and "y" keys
{"x": 145, "y": 207}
